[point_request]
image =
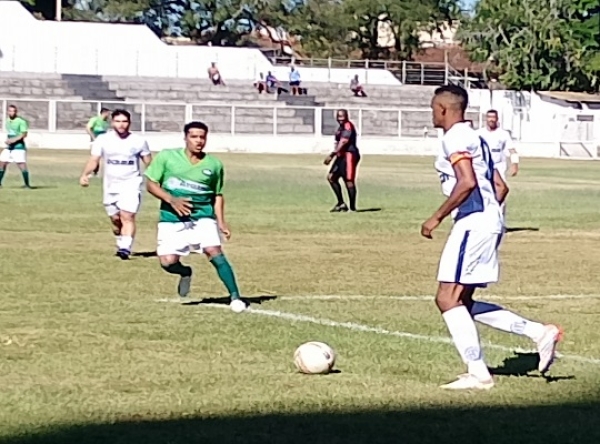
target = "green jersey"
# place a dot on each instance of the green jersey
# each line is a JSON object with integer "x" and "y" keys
{"x": 15, "y": 128}
{"x": 201, "y": 182}
{"x": 98, "y": 125}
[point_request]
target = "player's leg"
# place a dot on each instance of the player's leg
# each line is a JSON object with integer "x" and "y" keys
{"x": 5, "y": 159}
{"x": 455, "y": 271}
{"x": 206, "y": 235}
{"x": 336, "y": 172}
{"x": 128, "y": 203}
{"x": 546, "y": 336}
{"x": 352, "y": 160}
{"x": 172, "y": 244}
{"x": 20, "y": 157}
{"x": 112, "y": 210}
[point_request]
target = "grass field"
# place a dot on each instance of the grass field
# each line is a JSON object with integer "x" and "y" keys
{"x": 90, "y": 352}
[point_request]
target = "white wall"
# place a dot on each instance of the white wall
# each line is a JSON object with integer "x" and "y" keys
{"x": 29, "y": 45}
{"x": 280, "y": 144}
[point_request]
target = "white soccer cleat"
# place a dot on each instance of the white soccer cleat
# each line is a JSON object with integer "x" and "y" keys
{"x": 238, "y": 306}
{"x": 546, "y": 346}
{"x": 468, "y": 382}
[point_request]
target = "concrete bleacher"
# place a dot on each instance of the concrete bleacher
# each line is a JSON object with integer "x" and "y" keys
{"x": 387, "y": 111}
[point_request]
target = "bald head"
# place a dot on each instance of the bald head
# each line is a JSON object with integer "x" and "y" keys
{"x": 448, "y": 105}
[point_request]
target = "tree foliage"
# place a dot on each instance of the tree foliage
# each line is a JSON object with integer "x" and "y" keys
{"x": 324, "y": 28}
{"x": 537, "y": 44}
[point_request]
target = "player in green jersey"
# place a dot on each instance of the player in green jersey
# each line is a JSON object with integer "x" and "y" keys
{"x": 189, "y": 184}
{"x": 16, "y": 150}
{"x": 98, "y": 125}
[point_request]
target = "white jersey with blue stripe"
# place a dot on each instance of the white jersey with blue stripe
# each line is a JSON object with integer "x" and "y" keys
{"x": 481, "y": 211}
{"x": 499, "y": 141}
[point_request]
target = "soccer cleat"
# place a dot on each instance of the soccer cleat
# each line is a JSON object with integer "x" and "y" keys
{"x": 546, "y": 346}
{"x": 123, "y": 254}
{"x": 183, "y": 288}
{"x": 468, "y": 382}
{"x": 238, "y": 306}
{"x": 339, "y": 208}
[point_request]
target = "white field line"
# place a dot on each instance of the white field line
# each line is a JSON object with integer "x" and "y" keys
{"x": 293, "y": 317}
{"x": 423, "y": 298}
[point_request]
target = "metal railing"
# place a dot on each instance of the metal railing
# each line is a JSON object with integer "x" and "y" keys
{"x": 408, "y": 72}
{"x": 147, "y": 117}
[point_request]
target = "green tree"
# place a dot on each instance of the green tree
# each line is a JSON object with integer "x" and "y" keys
{"x": 537, "y": 44}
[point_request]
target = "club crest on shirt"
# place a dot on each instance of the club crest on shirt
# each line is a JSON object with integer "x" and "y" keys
{"x": 207, "y": 172}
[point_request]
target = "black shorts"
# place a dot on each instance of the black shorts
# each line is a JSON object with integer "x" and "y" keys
{"x": 295, "y": 83}
{"x": 345, "y": 166}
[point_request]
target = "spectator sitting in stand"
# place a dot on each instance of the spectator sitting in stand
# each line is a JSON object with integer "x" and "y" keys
{"x": 214, "y": 75}
{"x": 261, "y": 85}
{"x": 357, "y": 88}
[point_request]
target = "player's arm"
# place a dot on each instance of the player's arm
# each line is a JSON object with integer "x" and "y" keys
{"x": 220, "y": 204}
{"x": 513, "y": 155}
{"x": 146, "y": 154}
{"x": 90, "y": 126}
{"x": 92, "y": 163}
{"x": 465, "y": 184}
{"x": 500, "y": 186}
{"x": 154, "y": 175}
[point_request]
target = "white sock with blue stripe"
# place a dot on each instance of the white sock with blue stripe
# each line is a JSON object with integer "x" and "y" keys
{"x": 501, "y": 319}
{"x": 466, "y": 339}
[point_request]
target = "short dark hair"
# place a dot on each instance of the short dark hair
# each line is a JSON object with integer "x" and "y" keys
{"x": 12, "y": 106}
{"x": 492, "y": 111}
{"x": 121, "y": 112}
{"x": 104, "y": 110}
{"x": 343, "y": 111}
{"x": 457, "y": 91}
{"x": 195, "y": 125}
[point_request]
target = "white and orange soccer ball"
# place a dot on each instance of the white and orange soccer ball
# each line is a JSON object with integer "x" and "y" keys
{"x": 314, "y": 358}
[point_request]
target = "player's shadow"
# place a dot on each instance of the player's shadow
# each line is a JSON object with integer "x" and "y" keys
{"x": 144, "y": 254}
{"x": 368, "y": 210}
{"x": 517, "y": 229}
{"x": 521, "y": 365}
{"x": 251, "y": 300}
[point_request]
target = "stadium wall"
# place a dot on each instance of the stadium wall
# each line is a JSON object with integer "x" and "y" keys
{"x": 261, "y": 144}
{"x": 31, "y": 45}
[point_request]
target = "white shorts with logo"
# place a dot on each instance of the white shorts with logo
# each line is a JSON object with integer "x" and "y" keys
{"x": 183, "y": 238}
{"x": 470, "y": 257}
{"x": 13, "y": 156}
{"x": 128, "y": 199}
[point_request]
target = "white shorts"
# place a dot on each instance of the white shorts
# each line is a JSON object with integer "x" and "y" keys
{"x": 502, "y": 167}
{"x": 470, "y": 257}
{"x": 182, "y": 238}
{"x": 13, "y": 156}
{"x": 126, "y": 200}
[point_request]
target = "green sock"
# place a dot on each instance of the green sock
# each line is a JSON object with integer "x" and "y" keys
{"x": 1, "y": 176}
{"x": 25, "y": 175}
{"x": 226, "y": 275}
{"x": 178, "y": 268}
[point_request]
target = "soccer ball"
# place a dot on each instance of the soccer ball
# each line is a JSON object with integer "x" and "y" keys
{"x": 314, "y": 358}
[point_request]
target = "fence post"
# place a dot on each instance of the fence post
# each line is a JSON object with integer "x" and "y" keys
{"x": 52, "y": 116}
{"x": 232, "y": 110}
{"x": 399, "y": 123}
{"x": 274, "y": 120}
{"x": 143, "y": 118}
{"x": 318, "y": 129}
{"x": 403, "y": 71}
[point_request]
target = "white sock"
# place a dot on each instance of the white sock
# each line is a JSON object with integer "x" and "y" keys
{"x": 511, "y": 323}
{"x": 466, "y": 339}
{"x": 125, "y": 242}
{"x": 118, "y": 238}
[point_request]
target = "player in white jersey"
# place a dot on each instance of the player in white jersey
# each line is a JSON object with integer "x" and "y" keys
{"x": 501, "y": 147}
{"x": 121, "y": 151}
{"x": 474, "y": 191}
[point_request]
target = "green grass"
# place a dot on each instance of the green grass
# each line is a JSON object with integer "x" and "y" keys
{"x": 89, "y": 355}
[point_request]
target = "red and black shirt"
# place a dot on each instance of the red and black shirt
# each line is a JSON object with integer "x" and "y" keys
{"x": 347, "y": 131}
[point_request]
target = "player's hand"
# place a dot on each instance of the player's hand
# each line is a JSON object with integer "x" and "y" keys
{"x": 182, "y": 206}
{"x": 328, "y": 160}
{"x": 223, "y": 228}
{"x": 514, "y": 170}
{"x": 84, "y": 180}
{"x": 429, "y": 225}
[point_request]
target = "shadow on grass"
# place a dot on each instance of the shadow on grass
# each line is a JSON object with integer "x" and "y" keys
{"x": 521, "y": 365}
{"x": 144, "y": 254}
{"x": 252, "y": 300}
{"x": 568, "y": 423}
{"x": 368, "y": 210}
{"x": 518, "y": 229}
